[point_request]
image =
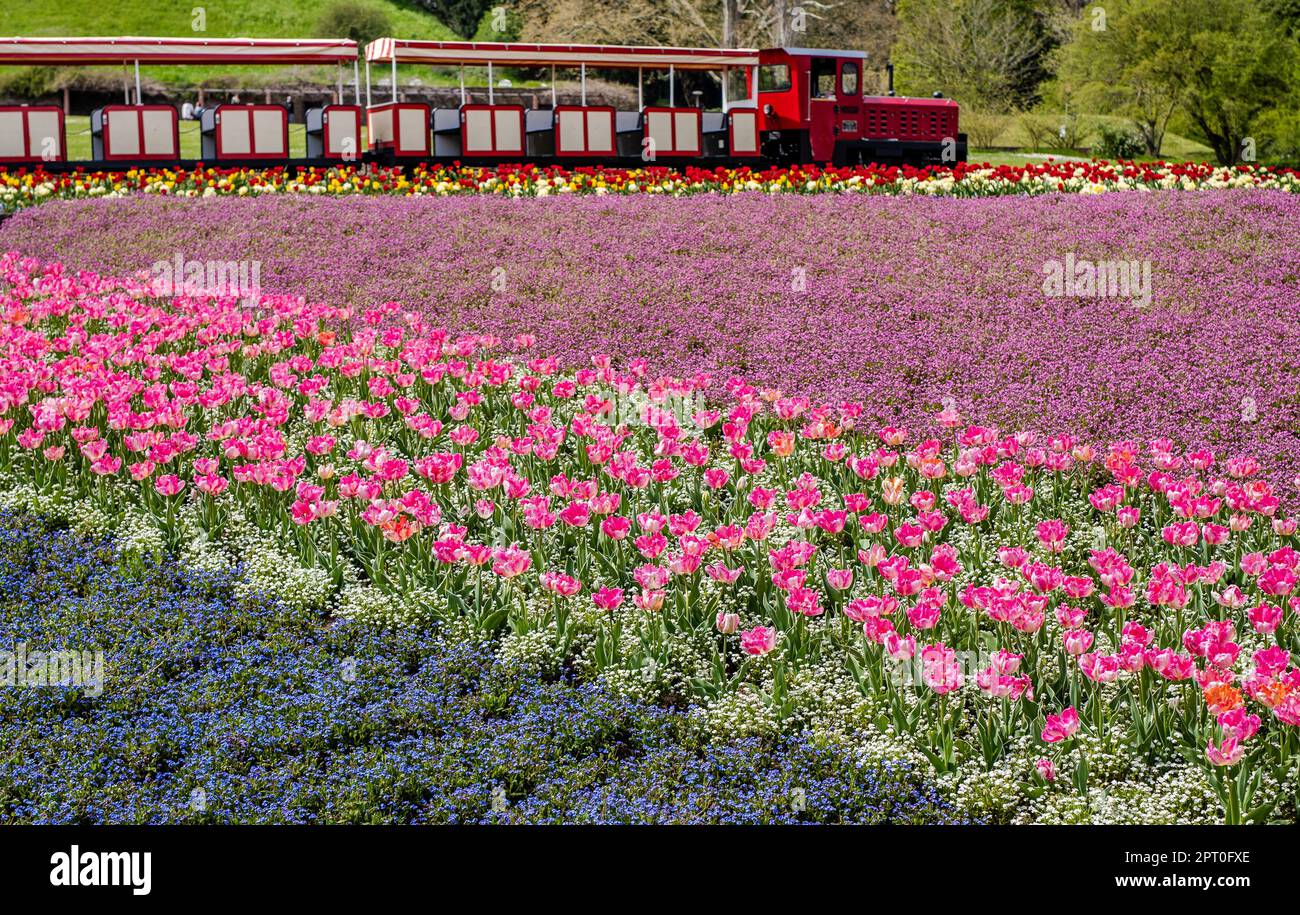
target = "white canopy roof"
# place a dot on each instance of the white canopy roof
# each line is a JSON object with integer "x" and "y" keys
{"x": 88, "y": 51}
{"x": 562, "y": 55}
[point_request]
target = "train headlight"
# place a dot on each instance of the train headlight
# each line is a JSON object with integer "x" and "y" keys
{"x": 769, "y": 110}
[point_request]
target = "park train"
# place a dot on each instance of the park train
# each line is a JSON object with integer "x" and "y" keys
{"x": 796, "y": 105}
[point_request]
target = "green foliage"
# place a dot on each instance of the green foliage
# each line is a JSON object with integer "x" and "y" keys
{"x": 1223, "y": 64}
{"x": 983, "y": 127}
{"x": 463, "y": 17}
{"x": 27, "y": 82}
{"x": 1234, "y": 75}
{"x": 354, "y": 19}
{"x": 1285, "y": 13}
{"x": 1278, "y": 134}
{"x": 499, "y": 23}
{"x": 991, "y": 54}
{"x": 1116, "y": 63}
{"x": 1118, "y": 142}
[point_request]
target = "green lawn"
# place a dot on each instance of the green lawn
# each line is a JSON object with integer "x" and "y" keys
{"x": 1175, "y": 147}
{"x": 1022, "y": 157}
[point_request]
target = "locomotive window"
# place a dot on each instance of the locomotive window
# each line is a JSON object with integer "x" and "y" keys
{"x": 849, "y": 79}
{"x": 823, "y": 78}
{"x": 773, "y": 78}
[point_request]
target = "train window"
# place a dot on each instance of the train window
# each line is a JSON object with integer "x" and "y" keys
{"x": 849, "y": 79}
{"x": 773, "y": 78}
{"x": 822, "y": 83}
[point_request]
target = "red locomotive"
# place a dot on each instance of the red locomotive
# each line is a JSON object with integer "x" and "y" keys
{"x": 798, "y": 105}
{"x": 814, "y": 110}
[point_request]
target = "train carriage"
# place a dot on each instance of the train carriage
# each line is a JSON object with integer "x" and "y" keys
{"x": 134, "y": 133}
{"x": 579, "y": 133}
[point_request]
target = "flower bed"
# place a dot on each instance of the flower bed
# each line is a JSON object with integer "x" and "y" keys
{"x": 223, "y": 709}
{"x": 23, "y": 187}
{"x": 904, "y": 305}
{"x": 1054, "y": 628}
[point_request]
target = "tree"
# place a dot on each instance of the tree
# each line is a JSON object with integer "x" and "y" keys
{"x": 602, "y": 22}
{"x": 354, "y": 19}
{"x": 1235, "y": 73}
{"x": 1115, "y": 63}
{"x": 705, "y": 23}
{"x": 1223, "y": 62}
{"x": 461, "y": 16}
{"x": 987, "y": 53}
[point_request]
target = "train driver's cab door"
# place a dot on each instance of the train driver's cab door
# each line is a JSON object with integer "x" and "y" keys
{"x": 834, "y": 105}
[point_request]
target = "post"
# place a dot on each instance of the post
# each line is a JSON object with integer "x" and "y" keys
{"x": 394, "y": 75}
{"x": 367, "y": 82}
{"x": 672, "y": 97}
{"x": 640, "y": 101}
{"x": 139, "y": 99}
{"x": 725, "y": 74}
{"x": 491, "y": 88}
{"x": 554, "y": 104}
{"x": 753, "y": 85}
{"x": 582, "y": 77}
{"x": 356, "y": 83}
{"x": 338, "y": 73}
{"x": 462, "y": 84}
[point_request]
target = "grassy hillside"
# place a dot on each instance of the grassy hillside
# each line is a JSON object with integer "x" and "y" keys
{"x": 224, "y": 19}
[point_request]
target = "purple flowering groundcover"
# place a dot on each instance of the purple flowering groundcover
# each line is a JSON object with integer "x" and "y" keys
{"x": 904, "y": 304}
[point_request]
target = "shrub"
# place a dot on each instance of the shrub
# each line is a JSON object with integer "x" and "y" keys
{"x": 1118, "y": 142}
{"x": 353, "y": 19}
{"x": 983, "y": 127}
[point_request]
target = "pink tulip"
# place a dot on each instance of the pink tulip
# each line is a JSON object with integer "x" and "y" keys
{"x": 1061, "y": 726}
{"x": 648, "y": 600}
{"x": 758, "y": 641}
{"x": 608, "y": 598}
{"x": 169, "y": 484}
{"x": 1227, "y": 753}
{"x": 719, "y": 572}
{"x": 1076, "y": 641}
{"x": 510, "y": 562}
{"x": 1046, "y": 769}
{"x": 840, "y": 579}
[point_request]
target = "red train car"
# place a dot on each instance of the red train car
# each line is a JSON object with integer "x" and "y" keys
{"x": 799, "y": 105}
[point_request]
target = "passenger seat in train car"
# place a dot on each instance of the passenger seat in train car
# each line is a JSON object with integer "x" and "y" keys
{"x": 334, "y": 132}
{"x": 445, "y": 124}
{"x": 628, "y": 130}
{"x": 715, "y": 133}
{"x": 539, "y": 127}
{"x": 231, "y": 131}
{"x": 132, "y": 132}
{"x": 30, "y": 134}
{"x": 492, "y": 130}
